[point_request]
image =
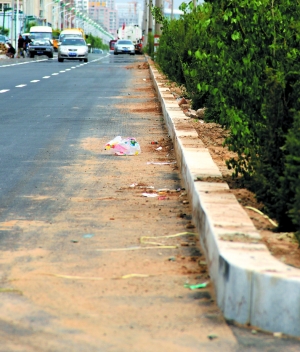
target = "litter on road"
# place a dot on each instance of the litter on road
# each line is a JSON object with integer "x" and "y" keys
{"x": 135, "y": 248}
{"x": 150, "y": 195}
{"x": 194, "y": 287}
{"x": 163, "y": 163}
{"x": 123, "y": 146}
{"x": 162, "y": 245}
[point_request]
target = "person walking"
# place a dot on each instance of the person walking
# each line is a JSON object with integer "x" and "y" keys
{"x": 26, "y": 43}
{"x": 21, "y": 42}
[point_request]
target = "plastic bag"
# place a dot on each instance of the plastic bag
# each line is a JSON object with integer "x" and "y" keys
{"x": 123, "y": 146}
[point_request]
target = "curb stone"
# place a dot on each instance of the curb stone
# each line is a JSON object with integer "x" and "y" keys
{"x": 252, "y": 287}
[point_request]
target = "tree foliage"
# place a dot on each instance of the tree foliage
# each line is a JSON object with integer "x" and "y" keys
{"x": 96, "y": 42}
{"x": 240, "y": 59}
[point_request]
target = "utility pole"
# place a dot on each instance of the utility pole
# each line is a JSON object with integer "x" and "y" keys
{"x": 12, "y": 24}
{"x": 159, "y": 3}
{"x": 145, "y": 24}
{"x": 150, "y": 23}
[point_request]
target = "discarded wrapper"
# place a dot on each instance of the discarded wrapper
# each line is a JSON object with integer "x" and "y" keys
{"x": 194, "y": 287}
{"x": 150, "y": 195}
{"x": 123, "y": 146}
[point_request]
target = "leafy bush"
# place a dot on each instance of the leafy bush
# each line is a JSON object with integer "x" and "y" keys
{"x": 243, "y": 66}
{"x": 55, "y": 33}
{"x": 96, "y": 42}
{"x": 28, "y": 25}
{"x": 4, "y": 31}
{"x": 149, "y": 48}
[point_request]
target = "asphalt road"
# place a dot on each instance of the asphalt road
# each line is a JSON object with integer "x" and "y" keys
{"x": 52, "y": 118}
{"x": 45, "y": 105}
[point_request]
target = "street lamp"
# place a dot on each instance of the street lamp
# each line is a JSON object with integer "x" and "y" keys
{"x": 63, "y": 11}
{"x": 68, "y": 17}
{"x": 54, "y": 7}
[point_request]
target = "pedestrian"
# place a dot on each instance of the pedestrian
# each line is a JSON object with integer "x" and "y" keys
{"x": 21, "y": 42}
{"x": 10, "y": 51}
{"x": 26, "y": 43}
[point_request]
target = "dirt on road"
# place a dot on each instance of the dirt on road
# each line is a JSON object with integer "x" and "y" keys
{"x": 106, "y": 270}
{"x": 110, "y": 268}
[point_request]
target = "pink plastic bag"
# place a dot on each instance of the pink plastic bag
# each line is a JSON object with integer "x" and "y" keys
{"x": 123, "y": 146}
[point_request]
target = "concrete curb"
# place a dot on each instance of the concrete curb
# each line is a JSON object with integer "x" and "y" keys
{"x": 252, "y": 287}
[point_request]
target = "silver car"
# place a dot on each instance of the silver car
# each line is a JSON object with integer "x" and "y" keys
{"x": 123, "y": 46}
{"x": 73, "y": 48}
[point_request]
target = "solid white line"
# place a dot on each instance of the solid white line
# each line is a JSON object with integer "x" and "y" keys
{"x": 46, "y": 77}
{"x": 4, "y": 91}
{"x": 34, "y": 81}
{"x": 21, "y": 85}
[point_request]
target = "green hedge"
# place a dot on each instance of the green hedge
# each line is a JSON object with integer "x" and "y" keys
{"x": 96, "y": 42}
{"x": 240, "y": 59}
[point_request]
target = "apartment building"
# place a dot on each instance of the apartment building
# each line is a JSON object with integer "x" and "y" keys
{"x": 104, "y": 13}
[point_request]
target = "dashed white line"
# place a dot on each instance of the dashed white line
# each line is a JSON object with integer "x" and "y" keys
{"x": 34, "y": 81}
{"x": 62, "y": 71}
{"x": 68, "y": 69}
{"x": 21, "y": 85}
{"x": 55, "y": 74}
{"x": 4, "y": 91}
{"x": 46, "y": 77}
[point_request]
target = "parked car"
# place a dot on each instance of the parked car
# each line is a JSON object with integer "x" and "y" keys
{"x": 123, "y": 46}
{"x": 73, "y": 48}
{"x": 40, "y": 47}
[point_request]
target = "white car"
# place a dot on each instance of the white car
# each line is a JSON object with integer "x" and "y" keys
{"x": 73, "y": 48}
{"x": 123, "y": 46}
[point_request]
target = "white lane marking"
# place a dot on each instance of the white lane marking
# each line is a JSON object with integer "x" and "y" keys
{"x": 62, "y": 71}
{"x": 55, "y": 74}
{"x": 34, "y": 81}
{"x": 73, "y": 67}
{"x": 21, "y": 85}
{"x": 23, "y": 63}
{"x": 4, "y": 91}
{"x": 46, "y": 77}
{"x": 68, "y": 69}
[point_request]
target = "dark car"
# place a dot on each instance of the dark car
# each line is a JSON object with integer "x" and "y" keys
{"x": 40, "y": 47}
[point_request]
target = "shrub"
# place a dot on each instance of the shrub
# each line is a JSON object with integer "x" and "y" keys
{"x": 243, "y": 66}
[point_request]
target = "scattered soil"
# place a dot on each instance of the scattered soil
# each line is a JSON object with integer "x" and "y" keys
{"x": 282, "y": 246}
{"x": 96, "y": 265}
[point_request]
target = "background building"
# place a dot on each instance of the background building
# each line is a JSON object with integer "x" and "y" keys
{"x": 104, "y": 13}
{"x": 130, "y": 13}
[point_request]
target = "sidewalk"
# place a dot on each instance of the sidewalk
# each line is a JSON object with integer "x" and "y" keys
{"x": 252, "y": 287}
